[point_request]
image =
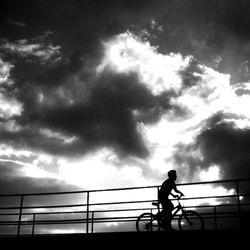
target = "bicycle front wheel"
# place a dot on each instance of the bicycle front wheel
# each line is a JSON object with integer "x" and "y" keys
{"x": 190, "y": 220}
{"x": 146, "y": 222}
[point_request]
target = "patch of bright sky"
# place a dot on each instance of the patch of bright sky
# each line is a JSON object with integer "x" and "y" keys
{"x": 29, "y": 169}
{"x": 28, "y": 163}
{"x": 211, "y": 174}
{"x": 42, "y": 166}
{"x": 9, "y": 151}
{"x": 99, "y": 170}
{"x": 205, "y": 191}
{"x": 61, "y": 231}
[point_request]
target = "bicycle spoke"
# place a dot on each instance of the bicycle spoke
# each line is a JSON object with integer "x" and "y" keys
{"x": 147, "y": 223}
{"x": 191, "y": 220}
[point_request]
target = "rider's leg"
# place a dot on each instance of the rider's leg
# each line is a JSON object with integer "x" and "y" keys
{"x": 167, "y": 210}
{"x": 168, "y": 220}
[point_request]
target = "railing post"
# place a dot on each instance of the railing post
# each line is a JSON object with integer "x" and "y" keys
{"x": 20, "y": 216}
{"x": 92, "y": 222}
{"x": 238, "y": 201}
{"x": 215, "y": 218}
{"x": 33, "y": 224}
{"x": 158, "y": 206}
{"x": 87, "y": 215}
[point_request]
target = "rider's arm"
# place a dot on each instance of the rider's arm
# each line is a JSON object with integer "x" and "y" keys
{"x": 177, "y": 191}
{"x": 175, "y": 196}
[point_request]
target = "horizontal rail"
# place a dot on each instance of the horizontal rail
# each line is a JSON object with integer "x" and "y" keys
{"x": 114, "y": 219}
{"x": 122, "y": 202}
{"x": 120, "y": 210}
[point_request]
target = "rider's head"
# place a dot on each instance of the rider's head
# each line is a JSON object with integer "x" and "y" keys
{"x": 172, "y": 174}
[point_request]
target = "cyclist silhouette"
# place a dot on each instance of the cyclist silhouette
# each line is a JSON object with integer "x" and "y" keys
{"x": 163, "y": 198}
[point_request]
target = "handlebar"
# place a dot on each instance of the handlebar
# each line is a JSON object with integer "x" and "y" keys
{"x": 156, "y": 203}
{"x": 179, "y": 197}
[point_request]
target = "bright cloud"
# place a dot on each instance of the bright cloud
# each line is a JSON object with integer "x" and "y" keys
{"x": 39, "y": 50}
{"x": 5, "y": 68}
{"x": 99, "y": 169}
{"x": 9, "y": 107}
{"x": 212, "y": 174}
{"x": 205, "y": 190}
{"x": 8, "y": 151}
{"x": 126, "y": 53}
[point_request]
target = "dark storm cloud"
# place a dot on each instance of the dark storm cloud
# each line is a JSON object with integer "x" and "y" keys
{"x": 76, "y": 26}
{"x": 31, "y": 139}
{"x": 75, "y": 29}
{"x": 227, "y": 146}
{"x": 219, "y": 143}
{"x": 109, "y": 112}
{"x": 16, "y": 23}
{"x": 37, "y": 50}
{"x": 206, "y": 29}
{"x": 108, "y": 117}
{"x": 35, "y": 60}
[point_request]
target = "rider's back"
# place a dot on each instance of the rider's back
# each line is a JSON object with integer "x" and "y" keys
{"x": 166, "y": 189}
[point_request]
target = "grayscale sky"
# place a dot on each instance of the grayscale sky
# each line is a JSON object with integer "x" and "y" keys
{"x": 114, "y": 93}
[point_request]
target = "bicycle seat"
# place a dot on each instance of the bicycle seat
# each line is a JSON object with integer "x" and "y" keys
{"x": 155, "y": 203}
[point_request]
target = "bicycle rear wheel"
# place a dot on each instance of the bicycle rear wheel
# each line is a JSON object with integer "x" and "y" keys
{"x": 146, "y": 222}
{"x": 190, "y": 220}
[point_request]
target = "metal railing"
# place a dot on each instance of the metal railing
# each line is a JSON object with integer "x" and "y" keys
{"x": 112, "y": 210}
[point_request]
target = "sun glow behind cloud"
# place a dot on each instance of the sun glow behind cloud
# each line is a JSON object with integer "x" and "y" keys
{"x": 212, "y": 93}
{"x": 127, "y": 53}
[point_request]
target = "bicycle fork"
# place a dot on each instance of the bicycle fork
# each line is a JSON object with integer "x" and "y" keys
{"x": 187, "y": 219}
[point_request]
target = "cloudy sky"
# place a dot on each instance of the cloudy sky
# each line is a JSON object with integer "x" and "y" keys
{"x": 114, "y": 93}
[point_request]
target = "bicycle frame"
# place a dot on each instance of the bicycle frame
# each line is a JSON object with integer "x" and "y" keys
{"x": 176, "y": 209}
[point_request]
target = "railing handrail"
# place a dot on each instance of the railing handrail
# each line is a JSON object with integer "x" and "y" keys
{"x": 121, "y": 202}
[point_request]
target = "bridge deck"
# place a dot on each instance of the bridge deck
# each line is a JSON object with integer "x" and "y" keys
{"x": 132, "y": 240}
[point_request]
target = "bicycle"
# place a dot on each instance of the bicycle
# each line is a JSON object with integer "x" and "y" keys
{"x": 188, "y": 219}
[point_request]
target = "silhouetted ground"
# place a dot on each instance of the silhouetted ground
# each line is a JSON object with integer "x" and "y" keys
{"x": 132, "y": 240}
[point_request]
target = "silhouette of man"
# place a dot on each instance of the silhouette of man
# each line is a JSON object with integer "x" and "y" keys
{"x": 163, "y": 197}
